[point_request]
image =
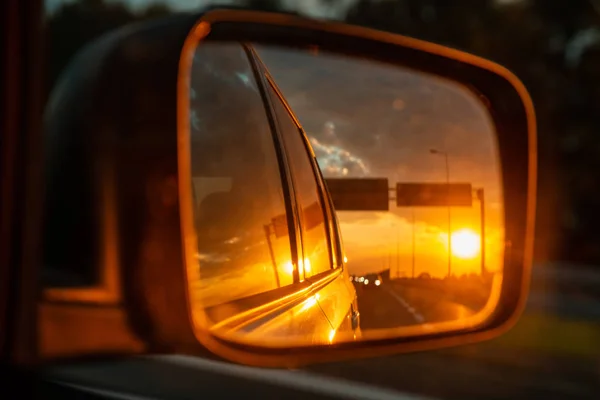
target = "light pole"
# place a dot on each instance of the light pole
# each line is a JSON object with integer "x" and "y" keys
{"x": 413, "y": 243}
{"x": 481, "y": 198}
{"x": 445, "y": 154}
{"x": 398, "y": 250}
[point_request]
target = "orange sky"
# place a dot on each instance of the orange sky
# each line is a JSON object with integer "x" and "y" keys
{"x": 368, "y": 119}
{"x": 371, "y": 242}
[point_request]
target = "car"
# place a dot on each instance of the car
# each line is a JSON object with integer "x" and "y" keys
{"x": 372, "y": 281}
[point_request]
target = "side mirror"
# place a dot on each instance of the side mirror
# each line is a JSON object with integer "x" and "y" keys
{"x": 213, "y": 164}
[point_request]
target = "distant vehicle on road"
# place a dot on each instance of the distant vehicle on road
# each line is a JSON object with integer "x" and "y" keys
{"x": 372, "y": 281}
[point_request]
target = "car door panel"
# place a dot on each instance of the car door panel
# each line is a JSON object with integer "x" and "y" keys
{"x": 338, "y": 300}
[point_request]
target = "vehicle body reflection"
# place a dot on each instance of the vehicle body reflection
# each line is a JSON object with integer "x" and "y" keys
{"x": 269, "y": 248}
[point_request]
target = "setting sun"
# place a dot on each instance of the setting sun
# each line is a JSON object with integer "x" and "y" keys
{"x": 465, "y": 244}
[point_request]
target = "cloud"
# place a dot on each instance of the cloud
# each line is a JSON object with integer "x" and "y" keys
{"x": 336, "y": 161}
{"x": 388, "y": 118}
{"x": 371, "y": 119}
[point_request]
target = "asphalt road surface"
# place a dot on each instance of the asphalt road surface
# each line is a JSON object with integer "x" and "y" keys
{"x": 391, "y": 306}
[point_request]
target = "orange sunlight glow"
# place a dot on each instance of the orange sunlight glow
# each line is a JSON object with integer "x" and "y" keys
{"x": 465, "y": 244}
{"x": 288, "y": 268}
{"x": 305, "y": 267}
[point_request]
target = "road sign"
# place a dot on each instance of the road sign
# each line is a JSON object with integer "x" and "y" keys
{"x": 359, "y": 194}
{"x": 434, "y": 195}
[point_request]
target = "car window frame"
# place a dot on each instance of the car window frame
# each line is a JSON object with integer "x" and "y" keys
{"x": 299, "y": 287}
{"x": 335, "y": 236}
{"x": 282, "y": 178}
{"x": 266, "y": 301}
{"x": 332, "y": 222}
{"x": 335, "y": 224}
{"x": 293, "y": 217}
{"x": 315, "y": 171}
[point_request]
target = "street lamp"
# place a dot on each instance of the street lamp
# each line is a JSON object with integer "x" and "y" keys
{"x": 413, "y": 243}
{"x": 445, "y": 154}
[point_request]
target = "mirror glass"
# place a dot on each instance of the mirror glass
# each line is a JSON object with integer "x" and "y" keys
{"x": 278, "y": 138}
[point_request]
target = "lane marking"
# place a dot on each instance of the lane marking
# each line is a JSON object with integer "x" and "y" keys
{"x": 416, "y": 315}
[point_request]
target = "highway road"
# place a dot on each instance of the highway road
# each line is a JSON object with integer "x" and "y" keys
{"x": 490, "y": 370}
{"x": 393, "y": 305}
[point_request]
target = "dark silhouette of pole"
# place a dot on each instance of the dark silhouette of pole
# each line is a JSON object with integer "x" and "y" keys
{"x": 481, "y": 198}
{"x": 445, "y": 154}
{"x": 398, "y": 251}
{"x": 413, "y": 243}
{"x": 389, "y": 249}
{"x": 267, "y": 229}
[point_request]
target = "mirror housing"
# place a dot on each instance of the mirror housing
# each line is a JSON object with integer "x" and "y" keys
{"x": 114, "y": 150}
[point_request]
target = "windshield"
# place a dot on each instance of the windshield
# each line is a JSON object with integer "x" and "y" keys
{"x": 554, "y": 349}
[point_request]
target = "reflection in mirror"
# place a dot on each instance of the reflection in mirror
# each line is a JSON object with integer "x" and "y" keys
{"x": 410, "y": 162}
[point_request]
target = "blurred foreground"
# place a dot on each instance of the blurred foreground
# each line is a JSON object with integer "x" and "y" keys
{"x": 553, "y": 351}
